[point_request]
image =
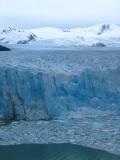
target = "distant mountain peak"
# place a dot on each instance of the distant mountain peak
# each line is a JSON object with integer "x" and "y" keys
{"x": 107, "y": 34}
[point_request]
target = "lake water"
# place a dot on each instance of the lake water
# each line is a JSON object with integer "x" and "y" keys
{"x": 53, "y": 152}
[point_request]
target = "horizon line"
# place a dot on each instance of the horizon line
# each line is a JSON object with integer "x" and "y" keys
{"x": 51, "y": 26}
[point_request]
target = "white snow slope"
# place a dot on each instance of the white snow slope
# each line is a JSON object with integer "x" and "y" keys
{"x": 100, "y": 35}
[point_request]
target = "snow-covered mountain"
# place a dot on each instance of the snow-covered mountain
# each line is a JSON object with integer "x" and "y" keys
{"x": 98, "y": 35}
{"x": 16, "y": 36}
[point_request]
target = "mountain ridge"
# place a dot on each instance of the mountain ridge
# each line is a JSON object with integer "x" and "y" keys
{"x": 107, "y": 34}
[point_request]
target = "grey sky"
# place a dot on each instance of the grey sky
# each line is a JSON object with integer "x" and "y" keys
{"x": 58, "y": 13}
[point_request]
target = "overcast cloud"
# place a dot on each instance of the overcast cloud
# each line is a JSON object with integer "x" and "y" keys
{"x": 58, "y": 13}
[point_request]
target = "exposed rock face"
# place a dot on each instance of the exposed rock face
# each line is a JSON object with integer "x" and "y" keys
{"x": 104, "y": 27}
{"x": 99, "y": 45}
{"x": 2, "y": 48}
{"x": 10, "y": 29}
{"x": 23, "y": 42}
{"x": 30, "y": 38}
{"x": 31, "y": 91}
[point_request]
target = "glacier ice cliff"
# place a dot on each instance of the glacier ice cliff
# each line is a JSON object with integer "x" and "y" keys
{"x": 48, "y": 84}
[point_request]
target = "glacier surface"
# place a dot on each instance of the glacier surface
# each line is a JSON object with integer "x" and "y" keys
{"x": 54, "y": 84}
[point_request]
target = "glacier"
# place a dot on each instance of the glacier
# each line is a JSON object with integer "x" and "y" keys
{"x": 54, "y": 84}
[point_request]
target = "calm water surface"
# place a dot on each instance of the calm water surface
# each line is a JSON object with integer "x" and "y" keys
{"x": 53, "y": 152}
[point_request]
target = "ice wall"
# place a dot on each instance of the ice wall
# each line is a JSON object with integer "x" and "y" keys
{"x": 47, "y": 95}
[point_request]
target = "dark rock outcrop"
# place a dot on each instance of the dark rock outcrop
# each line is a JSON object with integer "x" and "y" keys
{"x": 99, "y": 45}
{"x": 104, "y": 28}
{"x": 30, "y": 38}
{"x": 2, "y": 48}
